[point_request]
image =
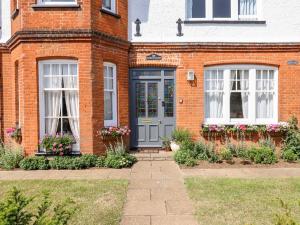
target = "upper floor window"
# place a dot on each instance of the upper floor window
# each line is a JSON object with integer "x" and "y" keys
{"x": 241, "y": 94}
{"x": 109, "y": 5}
{"x": 57, "y": 2}
{"x": 222, "y": 9}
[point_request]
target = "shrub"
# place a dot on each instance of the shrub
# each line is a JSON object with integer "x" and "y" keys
{"x": 238, "y": 150}
{"x": 226, "y": 154}
{"x": 292, "y": 139}
{"x": 267, "y": 142}
{"x": 117, "y": 157}
{"x": 262, "y": 155}
{"x": 35, "y": 163}
{"x": 181, "y": 135}
{"x": 89, "y": 160}
{"x": 10, "y": 156}
{"x": 289, "y": 156}
{"x": 183, "y": 157}
{"x": 100, "y": 162}
{"x": 14, "y": 210}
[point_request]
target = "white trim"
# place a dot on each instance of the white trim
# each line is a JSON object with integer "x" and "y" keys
{"x": 113, "y": 7}
{"x": 252, "y": 96}
{"x": 114, "y": 121}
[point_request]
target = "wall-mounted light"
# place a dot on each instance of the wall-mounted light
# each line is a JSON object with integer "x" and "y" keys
{"x": 190, "y": 75}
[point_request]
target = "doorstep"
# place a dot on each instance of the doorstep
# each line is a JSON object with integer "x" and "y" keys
{"x": 155, "y": 156}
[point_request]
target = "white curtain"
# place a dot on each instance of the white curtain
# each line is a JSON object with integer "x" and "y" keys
{"x": 264, "y": 104}
{"x": 247, "y": 7}
{"x": 214, "y": 105}
{"x": 72, "y": 104}
{"x": 52, "y": 100}
{"x": 245, "y": 99}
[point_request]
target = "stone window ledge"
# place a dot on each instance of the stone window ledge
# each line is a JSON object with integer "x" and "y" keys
{"x": 43, "y": 6}
{"x": 110, "y": 13}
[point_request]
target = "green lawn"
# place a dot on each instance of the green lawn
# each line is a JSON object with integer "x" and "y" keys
{"x": 242, "y": 201}
{"x": 98, "y": 201}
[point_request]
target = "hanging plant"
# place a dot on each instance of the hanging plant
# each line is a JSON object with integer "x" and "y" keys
{"x": 113, "y": 132}
{"x": 14, "y": 133}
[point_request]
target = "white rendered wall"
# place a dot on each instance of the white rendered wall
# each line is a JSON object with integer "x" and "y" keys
{"x": 5, "y": 31}
{"x": 159, "y": 18}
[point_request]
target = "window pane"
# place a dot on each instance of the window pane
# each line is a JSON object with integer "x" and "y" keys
{"x": 108, "y": 84}
{"x": 58, "y": 0}
{"x": 46, "y": 69}
{"x": 169, "y": 73}
{"x": 264, "y": 105}
{"x": 52, "y": 103}
{"x": 169, "y": 98}
{"x": 65, "y": 69}
{"x": 247, "y": 7}
{"x": 73, "y": 69}
{"x": 140, "y": 99}
{"x": 214, "y": 105}
{"x": 221, "y": 8}
{"x": 152, "y": 100}
{"x": 107, "y": 4}
{"x": 198, "y": 8}
{"x": 238, "y": 105}
{"x": 55, "y": 69}
{"x": 108, "y": 105}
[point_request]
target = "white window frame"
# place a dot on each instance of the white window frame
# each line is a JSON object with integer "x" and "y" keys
{"x": 62, "y": 2}
{"x": 113, "y": 7}
{"x": 114, "y": 121}
{"x": 42, "y": 115}
{"x": 234, "y": 12}
{"x": 251, "y": 120}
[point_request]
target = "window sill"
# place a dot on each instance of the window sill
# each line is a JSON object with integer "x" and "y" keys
{"x": 225, "y": 22}
{"x": 14, "y": 14}
{"x": 110, "y": 13}
{"x": 43, "y": 6}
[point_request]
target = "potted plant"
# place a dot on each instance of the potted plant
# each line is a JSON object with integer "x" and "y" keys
{"x": 14, "y": 133}
{"x": 166, "y": 142}
{"x": 113, "y": 133}
{"x": 60, "y": 144}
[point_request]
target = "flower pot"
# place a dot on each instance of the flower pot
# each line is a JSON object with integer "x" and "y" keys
{"x": 174, "y": 146}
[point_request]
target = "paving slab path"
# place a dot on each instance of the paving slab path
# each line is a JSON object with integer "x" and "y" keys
{"x": 157, "y": 196}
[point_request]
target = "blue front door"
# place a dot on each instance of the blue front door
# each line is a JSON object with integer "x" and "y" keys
{"x": 152, "y": 100}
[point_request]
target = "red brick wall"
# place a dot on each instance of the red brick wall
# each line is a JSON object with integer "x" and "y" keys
{"x": 190, "y": 114}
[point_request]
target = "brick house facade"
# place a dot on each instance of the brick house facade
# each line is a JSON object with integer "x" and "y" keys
{"x": 98, "y": 36}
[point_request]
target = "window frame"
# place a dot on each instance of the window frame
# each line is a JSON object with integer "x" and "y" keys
{"x": 42, "y": 116}
{"x": 114, "y": 121}
{"x": 226, "y": 120}
{"x": 113, "y": 6}
{"x": 42, "y": 2}
{"x": 234, "y": 12}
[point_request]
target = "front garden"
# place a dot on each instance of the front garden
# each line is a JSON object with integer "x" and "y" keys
{"x": 239, "y": 152}
{"x": 222, "y": 201}
{"x": 61, "y": 202}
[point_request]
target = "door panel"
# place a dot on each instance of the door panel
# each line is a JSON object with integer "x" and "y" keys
{"x": 152, "y": 99}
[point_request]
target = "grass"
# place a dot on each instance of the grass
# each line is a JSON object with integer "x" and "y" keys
{"x": 242, "y": 201}
{"x": 98, "y": 201}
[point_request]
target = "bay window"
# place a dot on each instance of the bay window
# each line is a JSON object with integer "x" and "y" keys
{"x": 110, "y": 94}
{"x": 241, "y": 94}
{"x": 59, "y": 99}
